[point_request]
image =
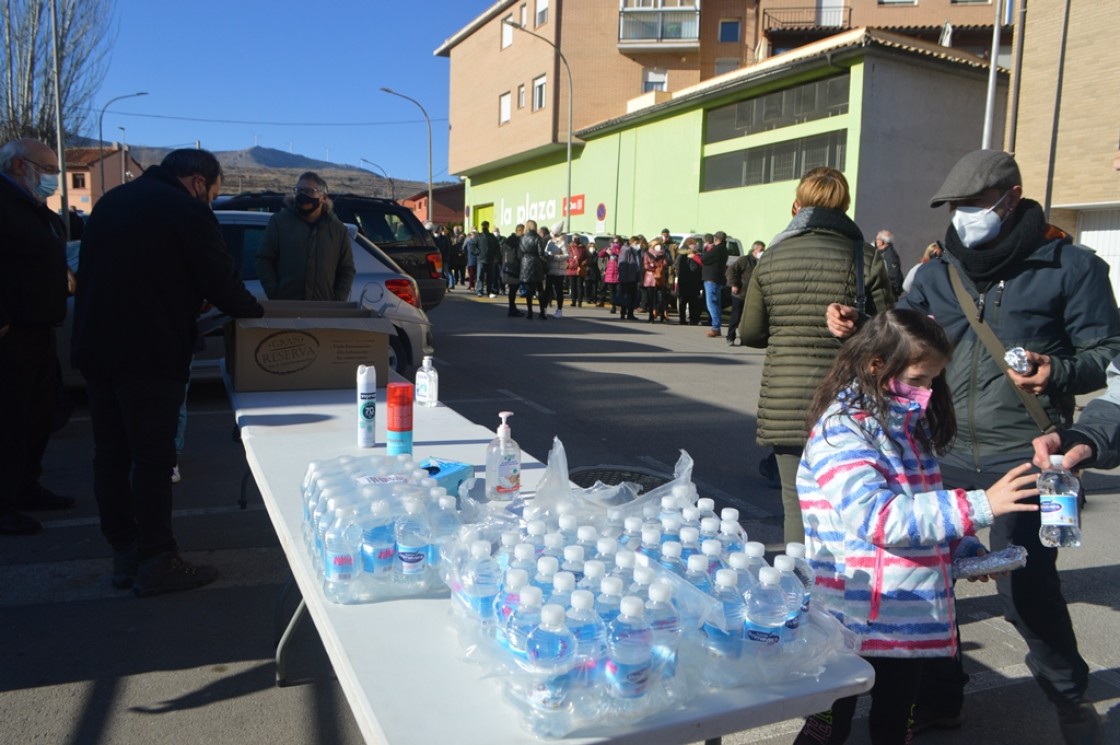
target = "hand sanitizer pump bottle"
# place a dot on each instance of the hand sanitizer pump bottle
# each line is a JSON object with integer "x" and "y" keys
{"x": 503, "y": 464}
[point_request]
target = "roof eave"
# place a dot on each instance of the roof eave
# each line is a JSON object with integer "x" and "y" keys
{"x": 444, "y": 49}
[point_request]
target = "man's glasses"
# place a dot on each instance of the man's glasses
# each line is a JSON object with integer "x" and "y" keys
{"x": 49, "y": 170}
{"x": 309, "y": 191}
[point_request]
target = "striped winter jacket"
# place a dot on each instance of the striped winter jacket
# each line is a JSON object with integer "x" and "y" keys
{"x": 880, "y": 529}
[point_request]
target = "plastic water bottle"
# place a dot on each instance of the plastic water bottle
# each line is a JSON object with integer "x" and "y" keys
{"x": 670, "y": 507}
{"x": 507, "y": 601}
{"x": 481, "y": 583}
{"x": 445, "y": 523}
{"x": 563, "y": 585}
{"x": 726, "y": 641}
{"x": 709, "y": 529}
{"x": 665, "y": 623}
{"x": 591, "y": 641}
{"x": 573, "y": 561}
{"x": 712, "y": 550}
{"x": 690, "y": 517}
{"x": 629, "y": 652}
{"x": 524, "y": 618}
{"x": 671, "y": 558}
{"x": 568, "y": 525}
{"x": 588, "y": 537}
{"x": 616, "y": 522}
{"x": 671, "y": 528}
{"x": 524, "y": 557}
{"x": 740, "y": 562}
{"x": 731, "y": 536}
{"x": 427, "y": 384}
{"x": 624, "y": 562}
{"x": 651, "y": 515}
{"x": 651, "y": 543}
{"x": 794, "y": 593}
{"x": 697, "y": 573}
{"x": 643, "y": 578}
{"x": 534, "y": 535}
{"x": 510, "y": 538}
{"x": 756, "y": 555}
{"x": 547, "y": 567}
{"x": 379, "y": 542}
{"x": 707, "y": 507}
{"x": 609, "y": 601}
{"x": 340, "y": 558}
{"x": 690, "y": 542}
{"x": 554, "y": 545}
{"x": 413, "y": 538}
{"x": 729, "y": 513}
{"x": 1057, "y": 506}
{"x": 766, "y": 613}
{"x": 552, "y": 654}
{"x": 632, "y": 533}
{"x": 593, "y": 572}
{"x": 804, "y": 572}
{"x": 605, "y": 550}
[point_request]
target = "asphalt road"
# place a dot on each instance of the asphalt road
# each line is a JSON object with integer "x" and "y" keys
{"x": 82, "y": 664}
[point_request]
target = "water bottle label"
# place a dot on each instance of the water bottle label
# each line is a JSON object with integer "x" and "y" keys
{"x": 1058, "y": 509}
{"x": 482, "y": 606}
{"x": 758, "y": 634}
{"x": 365, "y": 480}
{"x": 509, "y": 475}
{"x": 628, "y": 680}
{"x": 412, "y": 559}
{"x": 377, "y": 557}
{"x": 550, "y": 694}
{"x": 338, "y": 566}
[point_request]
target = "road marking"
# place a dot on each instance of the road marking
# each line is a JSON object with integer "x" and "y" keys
{"x": 531, "y": 404}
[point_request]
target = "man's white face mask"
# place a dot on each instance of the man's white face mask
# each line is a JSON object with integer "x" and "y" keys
{"x": 977, "y": 225}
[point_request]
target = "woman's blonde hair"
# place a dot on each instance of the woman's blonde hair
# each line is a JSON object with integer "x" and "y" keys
{"x": 824, "y": 187}
{"x": 933, "y": 251}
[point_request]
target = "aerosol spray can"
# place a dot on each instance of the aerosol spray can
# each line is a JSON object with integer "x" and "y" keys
{"x": 367, "y": 406}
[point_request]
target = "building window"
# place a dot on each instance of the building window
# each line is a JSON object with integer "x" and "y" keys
{"x": 524, "y": 14}
{"x": 726, "y": 65}
{"x": 538, "y": 93}
{"x": 729, "y": 31}
{"x": 542, "y": 12}
{"x": 503, "y": 108}
{"x": 654, "y": 79}
{"x": 781, "y": 161}
{"x": 77, "y": 181}
{"x": 507, "y": 31}
{"x": 911, "y": 2}
{"x": 808, "y": 102}
{"x": 521, "y": 96}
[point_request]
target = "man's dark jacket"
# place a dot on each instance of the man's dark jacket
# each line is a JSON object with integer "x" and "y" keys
{"x": 32, "y": 260}
{"x": 894, "y": 269}
{"x": 150, "y": 256}
{"x": 714, "y": 262}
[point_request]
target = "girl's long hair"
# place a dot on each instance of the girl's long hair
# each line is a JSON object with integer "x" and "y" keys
{"x": 891, "y": 342}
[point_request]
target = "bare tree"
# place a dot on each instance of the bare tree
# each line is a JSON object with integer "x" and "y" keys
{"x": 27, "y": 70}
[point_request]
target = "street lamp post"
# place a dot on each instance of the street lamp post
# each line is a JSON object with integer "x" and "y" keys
{"x": 392, "y": 92}
{"x": 101, "y": 135}
{"x": 392, "y": 184}
{"x": 568, "y": 209}
{"x": 124, "y": 155}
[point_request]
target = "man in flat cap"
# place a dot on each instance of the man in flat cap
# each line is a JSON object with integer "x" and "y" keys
{"x": 1034, "y": 288}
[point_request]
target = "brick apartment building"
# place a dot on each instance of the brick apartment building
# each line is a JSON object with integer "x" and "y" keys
{"x": 83, "y": 171}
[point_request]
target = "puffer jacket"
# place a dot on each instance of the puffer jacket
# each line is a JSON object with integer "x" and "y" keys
{"x": 881, "y": 530}
{"x": 629, "y": 263}
{"x": 610, "y": 273}
{"x": 532, "y": 257}
{"x": 1057, "y": 301}
{"x": 784, "y": 313}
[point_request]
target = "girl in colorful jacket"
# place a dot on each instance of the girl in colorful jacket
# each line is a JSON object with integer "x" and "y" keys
{"x": 880, "y": 528}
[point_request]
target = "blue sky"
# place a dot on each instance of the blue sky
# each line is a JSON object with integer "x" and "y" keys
{"x": 282, "y": 65}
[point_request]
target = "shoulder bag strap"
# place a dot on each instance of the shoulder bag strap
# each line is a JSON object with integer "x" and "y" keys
{"x": 995, "y": 348}
{"x": 861, "y": 289}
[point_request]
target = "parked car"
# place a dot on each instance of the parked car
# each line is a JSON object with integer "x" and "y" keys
{"x": 379, "y": 284}
{"x": 391, "y": 227}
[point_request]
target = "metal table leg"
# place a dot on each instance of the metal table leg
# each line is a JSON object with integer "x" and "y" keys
{"x": 281, "y": 672}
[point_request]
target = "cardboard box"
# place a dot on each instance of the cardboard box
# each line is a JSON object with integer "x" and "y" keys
{"x": 306, "y": 345}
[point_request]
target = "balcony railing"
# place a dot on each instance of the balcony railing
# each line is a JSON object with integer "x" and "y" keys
{"x": 658, "y": 25}
{"x": 790, "y": 19}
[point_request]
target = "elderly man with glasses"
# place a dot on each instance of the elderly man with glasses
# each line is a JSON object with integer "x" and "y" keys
{"x": 33, "y": 293}
{"x": 305, "y": 252}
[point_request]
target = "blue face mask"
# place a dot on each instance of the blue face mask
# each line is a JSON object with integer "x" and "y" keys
{"x": 48, "y": 184}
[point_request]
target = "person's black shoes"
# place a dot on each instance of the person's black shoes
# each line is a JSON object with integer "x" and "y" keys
{"x": 126, "y": 564}
{"x": 170, "y": 572}
{"x": 45, "y": 499}
{"x": 13, "y": 523}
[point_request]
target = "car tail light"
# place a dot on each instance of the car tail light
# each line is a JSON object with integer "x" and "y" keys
{"x": 435, "y": 264}
{"x": 405, "y": 289}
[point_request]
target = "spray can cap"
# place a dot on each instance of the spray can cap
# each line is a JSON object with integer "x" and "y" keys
{"x": 503, "y": 428}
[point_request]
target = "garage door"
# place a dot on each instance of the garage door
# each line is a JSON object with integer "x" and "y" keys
{"x": 1100, "y": 230}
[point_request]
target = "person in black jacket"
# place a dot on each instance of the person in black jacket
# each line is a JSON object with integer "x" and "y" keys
{"x": 32, "y": 302}
{"x": 739, "y": 277}
{"x": 714, "y": 267}
{"x": 884, "y": 241}
{"x": 151, "y": 255}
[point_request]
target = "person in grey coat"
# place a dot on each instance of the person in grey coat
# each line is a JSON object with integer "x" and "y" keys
{"x": 532, "y": 267}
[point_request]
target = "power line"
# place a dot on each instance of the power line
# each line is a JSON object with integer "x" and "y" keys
{"x": 273, "y": 124}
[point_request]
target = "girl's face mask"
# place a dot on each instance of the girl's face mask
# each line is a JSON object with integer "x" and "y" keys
{"x": 917, "y": 394}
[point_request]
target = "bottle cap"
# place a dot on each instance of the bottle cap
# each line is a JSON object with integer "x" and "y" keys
{"x": 795, "y": 549}
{"x": 680, "y": 492}
{"x": 480, "y": 550}
{"x": 698, "y": 563}
{"x": 738, "y": 560}
{"x": 651, "y": 536}
{"x": 583, "y": 600}
{"x": 727, "y": 578}
{"x": 554, "y": 540}
{"x": 672, "y": 549}
{"x": 511, "y": 538}
{"x": 606, "y": 546}
{"x": 632, "y": 606}
{"x": 1056, "y": 460}
{"x": 587, "y": 534}
{"x": 594, "y": 568}
{"x": 447, "y": 503}
{"x": 691, "y": 514}
{"x": 644, "y": 575}
{"x": 769, "y": 576}
{"x": 690, "y": 534}
{"x": 729, "y": 527}
{"x": 729, "y": 513}
{"x": 710, "y": 525}
{"x": 755, "y": 549}
{"x": 633, "y": 524}
{"x": 398, "y": 394}
{"x": 552, "y": 615}
{"x": 611, "y": 586}
{"x": 660, "y": 592}
{"x": 669, "y": 503}
{"x": 568, "y": 522}
{"x": 706, "y": 504}
{"x": 531, "y": 596}
{"x": 783, "y": 563}
{"x": 711, "y": 547}
{"x": 573, "y": 553}
{"x": 524, "y": 552}
{"x": 625, "y": 559}
{"x": 564, "y": 581}
{"x": 671, "y": 523}
{"x": 650, "y": 511}
{"x": 536, "y": 527}
{"x": 547, "y": 565}
{"x": 516, "y": 579}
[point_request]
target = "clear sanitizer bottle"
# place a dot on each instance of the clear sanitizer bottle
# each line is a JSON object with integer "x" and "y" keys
{"x": 503, "y": 464}
{"x": 427, "y": 384}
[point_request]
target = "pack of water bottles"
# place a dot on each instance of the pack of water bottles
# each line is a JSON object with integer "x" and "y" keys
{"x": 375, "y": 525}
{"x": 594, "y": 617}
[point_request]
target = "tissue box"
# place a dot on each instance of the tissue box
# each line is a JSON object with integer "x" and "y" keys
{"x": 447, "y": 473}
